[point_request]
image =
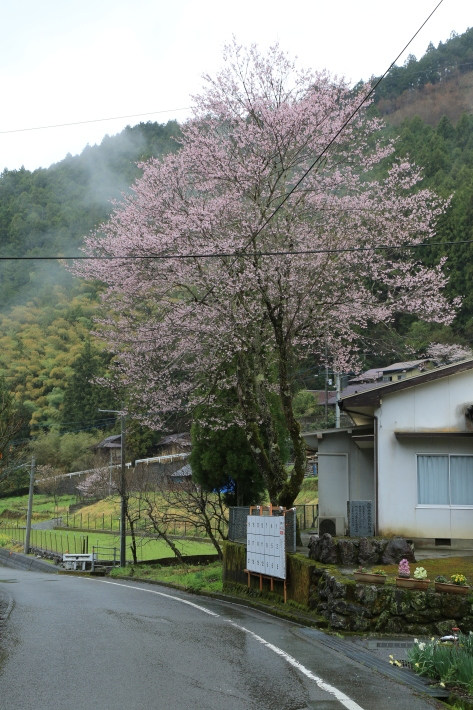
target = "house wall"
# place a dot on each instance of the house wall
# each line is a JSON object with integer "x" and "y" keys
{"x": 440, "y": 404}
{"x": 345, "y": 473}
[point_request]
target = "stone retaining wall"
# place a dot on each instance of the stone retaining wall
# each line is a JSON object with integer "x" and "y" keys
{"x": 352, "y": 606}
{"x": 360, "y": 551}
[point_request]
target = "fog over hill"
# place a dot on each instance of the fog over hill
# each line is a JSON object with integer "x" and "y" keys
{"x": 46, "y": 316}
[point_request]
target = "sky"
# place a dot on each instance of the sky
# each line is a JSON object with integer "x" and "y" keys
{"x": 138, "y": 60}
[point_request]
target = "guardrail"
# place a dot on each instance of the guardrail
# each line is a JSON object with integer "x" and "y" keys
{"x": 155, "y": 459}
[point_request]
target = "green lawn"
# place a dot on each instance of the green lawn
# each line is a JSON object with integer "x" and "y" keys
{"x": 62, "y": 541}
{"x": 44, "y": 507}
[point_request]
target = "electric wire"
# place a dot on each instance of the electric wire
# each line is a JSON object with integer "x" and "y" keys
{"x": 275, "y": 211}
{"x": 247, "y": 254}
{"x": 342, "y": 128}
{"x": 94, "y": 120}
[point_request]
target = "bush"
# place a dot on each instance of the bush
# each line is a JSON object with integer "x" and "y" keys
{"x": 5, "y": 541}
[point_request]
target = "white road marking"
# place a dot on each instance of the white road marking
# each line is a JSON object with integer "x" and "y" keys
{"x": 347, "y": 702}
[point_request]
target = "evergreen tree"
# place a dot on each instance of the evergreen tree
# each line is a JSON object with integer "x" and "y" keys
{"x": 222, "y": 460}
{"x": 84, "y": 397}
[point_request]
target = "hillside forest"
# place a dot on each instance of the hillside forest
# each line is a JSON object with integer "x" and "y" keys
{"x": 50, "y": 360}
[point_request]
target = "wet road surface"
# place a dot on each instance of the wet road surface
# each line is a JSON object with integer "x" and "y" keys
{"x": 98, "y": 644}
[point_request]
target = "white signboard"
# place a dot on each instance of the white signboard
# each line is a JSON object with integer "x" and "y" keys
{"x": 266, "y": 545}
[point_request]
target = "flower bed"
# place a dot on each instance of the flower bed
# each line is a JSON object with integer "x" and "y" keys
{"x": 449, "y": 663}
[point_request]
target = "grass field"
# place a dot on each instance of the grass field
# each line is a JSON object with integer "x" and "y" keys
{"x": 309, "y": 493}
{"x": 44, "y": 507}
{"x": 193, "y": 578}
{"x": 62, "y": 541}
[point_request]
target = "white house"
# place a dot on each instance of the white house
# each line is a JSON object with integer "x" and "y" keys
{"x": 410, "y": 452}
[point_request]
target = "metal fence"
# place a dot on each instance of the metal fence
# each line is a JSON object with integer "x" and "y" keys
{"x": 111, "y": 523}
{"x": 307, "y": 517}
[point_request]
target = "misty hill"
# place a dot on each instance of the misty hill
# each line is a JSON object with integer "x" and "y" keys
{"x": 46, "y": 316}
{"x": 47, "y": 212}
{"x": 439, "y": 84}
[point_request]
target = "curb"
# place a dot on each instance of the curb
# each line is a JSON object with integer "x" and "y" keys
{"x": 18, "y": 560}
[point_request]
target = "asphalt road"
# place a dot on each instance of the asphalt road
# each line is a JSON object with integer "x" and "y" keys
{"x": 96, "y": 644}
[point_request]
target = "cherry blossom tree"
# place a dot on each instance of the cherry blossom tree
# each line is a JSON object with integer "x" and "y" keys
{"x": 444, "y": 354}
{"x": 224, "y": 294}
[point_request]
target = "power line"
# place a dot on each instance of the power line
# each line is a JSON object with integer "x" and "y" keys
{"x": 342, "y": 128}
{"x": 250, "y": 255}
{"x": 187, "y": 108}
{"x": 94, "y": 120}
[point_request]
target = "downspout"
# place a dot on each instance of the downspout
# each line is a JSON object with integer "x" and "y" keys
{"x": 376, "y": 515}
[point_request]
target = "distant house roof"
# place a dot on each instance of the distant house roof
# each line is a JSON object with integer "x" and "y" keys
{"x": 182, "y": 439}
{"x": 371, "y": 394}
{"x": 111, "y": 442}
{"x": 183, "y": 472}
{"x": 353, "y": 389}
{"x": 377, "y": 372}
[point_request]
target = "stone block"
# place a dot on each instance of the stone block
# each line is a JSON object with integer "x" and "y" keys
{"x": 396, "y": 550}
{"x": 359, "y": 623}
{"x": 444, "y": 628}
{"x": 418, "y": 630}
{"x": 347, "y": 551}
{"x": 366, "y": 594}
{"x": 368, "y": 552}
{"x": 337, "y": 621}
{"x": 323, "y": 549}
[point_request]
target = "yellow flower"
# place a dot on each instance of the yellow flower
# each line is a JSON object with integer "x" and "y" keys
{"x": 416, "y": 665}
{"x": 442, "y": 685}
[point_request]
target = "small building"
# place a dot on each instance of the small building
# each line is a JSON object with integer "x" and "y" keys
{"x": 409, "y": 451}
{"x": 395, "y": 372}
{"x": 174, "y": 444}
{"x": 110, "y": 448}
{"x": 180, "y": 477}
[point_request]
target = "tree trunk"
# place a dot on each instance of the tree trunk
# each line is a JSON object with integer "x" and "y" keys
{"x": 294, "y": 482}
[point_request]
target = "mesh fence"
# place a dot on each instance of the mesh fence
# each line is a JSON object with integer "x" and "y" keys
{"x": 237, "y": 525}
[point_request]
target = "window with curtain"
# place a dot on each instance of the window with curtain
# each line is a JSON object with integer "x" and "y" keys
{"x": 444, "y": 479}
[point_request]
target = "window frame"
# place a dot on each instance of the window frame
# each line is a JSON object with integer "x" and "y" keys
{"x": 441, "y": 506}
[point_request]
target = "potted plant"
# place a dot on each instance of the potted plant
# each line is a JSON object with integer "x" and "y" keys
{"x": 456, "y": 585}
{"x": 376, "y": 576}
{"x": 404, "y": 579}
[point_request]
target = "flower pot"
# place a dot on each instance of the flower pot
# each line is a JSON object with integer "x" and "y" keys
{"x": 369, "y": 578}
{"x": 450, "y": 588}
{"x": 412, "y": 583}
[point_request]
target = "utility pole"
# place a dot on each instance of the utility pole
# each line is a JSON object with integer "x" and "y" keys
{"x": 30, "y": 506}
{"x": 122, "y": 493}
{"x": 122, "y": 487}
{"x": 337, "y": 397}
{"x": 326, "y": 388}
